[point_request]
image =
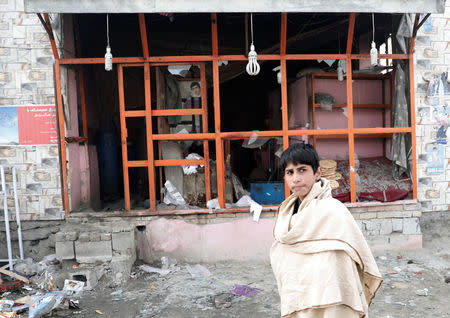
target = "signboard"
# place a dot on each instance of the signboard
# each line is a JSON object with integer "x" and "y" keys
{"x": 28, "y": 125}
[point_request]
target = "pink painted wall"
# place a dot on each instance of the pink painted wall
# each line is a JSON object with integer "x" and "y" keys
{"x": 78, "y": 175}
{"x": 298, "y": 103}
{"x": 242, "y": 239}
{"x": 364, "y": 92}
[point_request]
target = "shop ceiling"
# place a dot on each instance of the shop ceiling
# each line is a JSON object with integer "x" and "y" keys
{"x": 197, "y": 6}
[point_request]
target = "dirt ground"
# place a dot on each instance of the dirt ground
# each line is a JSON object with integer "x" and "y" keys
{"x": 414, "y": 286}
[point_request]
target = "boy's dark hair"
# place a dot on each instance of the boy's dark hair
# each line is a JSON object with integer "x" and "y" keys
{"x": 300, "y": 153}
{"x": 195, "y": 84}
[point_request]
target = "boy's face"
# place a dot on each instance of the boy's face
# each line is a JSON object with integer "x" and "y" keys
{"x": 196, "y": 91}
{"x": 300, "y": 178}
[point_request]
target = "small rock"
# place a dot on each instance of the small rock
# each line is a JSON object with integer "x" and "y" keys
{"x": 447, "y": 279}
{"x": 222, "y": 301}
{"x": 422, "y": 292}
{"x": 410, "y": 262}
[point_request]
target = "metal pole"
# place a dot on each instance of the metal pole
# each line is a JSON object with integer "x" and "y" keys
{"x": 16, "y": 205}
{"x": 5, "y": 210}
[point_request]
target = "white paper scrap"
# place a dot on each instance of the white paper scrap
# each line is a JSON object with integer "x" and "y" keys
{"x": 256, "y": 209}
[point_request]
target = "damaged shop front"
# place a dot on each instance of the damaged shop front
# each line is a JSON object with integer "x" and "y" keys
{"x": 179, "y": 132}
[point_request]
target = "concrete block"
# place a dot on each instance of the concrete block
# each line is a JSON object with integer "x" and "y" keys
{"x": 122, "y": 264}
{"x": 124, "y": 242}
{"x": 60, "y": 237}
{"x": 411, "y": 207}
{"x": 94, "y": 237}
{"x": 386, "y": 227}
{"x": 105, "y": 237}
{"x": 389, "y": 214}
{"x": 368, "y": 215}
{"x": 397, "y": 225}
{"x": 84, "y": 237}
{"x": 89, "y": 276}
{"x": 71, "y": 236}
{"x": 91, "y": 252}
{"x": 390, "y": 207}
{"x": 411, "y": 226}
{"x": 65, "y": 250}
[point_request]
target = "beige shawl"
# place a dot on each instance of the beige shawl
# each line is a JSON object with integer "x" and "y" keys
{"x": 320, "y": 257}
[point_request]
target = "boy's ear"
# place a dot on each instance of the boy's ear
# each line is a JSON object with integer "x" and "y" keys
{"x": 318, "y": 173}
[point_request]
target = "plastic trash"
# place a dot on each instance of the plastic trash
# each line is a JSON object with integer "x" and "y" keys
{"x": 28, "y": 267}
{"x": 117, "y": 292}
{"x": 198, "y": 271}
{"x": 255, "y": 207}
{"x": 168, "y": 263}
{"x": 19, "y": 309}
{"x": 151, "y": 269}
{"x": 45, "y": 281}
{"x": 192, "y": 169}
{"x": 244, "y": 290}
{"x": 23, "y": 300}
{"x": 43, "y": 304}
{"x": 172, "y": 195}
{"x": 73, "y": 286}
{"x": 214, "y": 204}
{"x": 6, "y": 305}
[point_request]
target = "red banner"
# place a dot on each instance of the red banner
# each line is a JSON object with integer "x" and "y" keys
{"x": 37, "y": 125}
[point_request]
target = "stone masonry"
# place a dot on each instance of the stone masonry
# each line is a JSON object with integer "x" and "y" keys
{"x": 432, "y": 66}
{"x": 26, "y": 78}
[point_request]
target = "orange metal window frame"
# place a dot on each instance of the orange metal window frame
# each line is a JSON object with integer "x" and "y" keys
{"x": 218, "y": 136}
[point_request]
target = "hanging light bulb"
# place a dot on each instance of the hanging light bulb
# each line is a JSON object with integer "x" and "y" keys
{"x": 340, "y": 71}
{"x": 108, "y": 55}
{"x": 253, "y": 67}
{"x": 373, "y": 50}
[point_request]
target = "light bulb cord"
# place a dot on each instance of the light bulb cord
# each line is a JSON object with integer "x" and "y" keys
{"x": 107, "y": 29}
{"x": 251, "y": 26}
{"x": 373, "y": 27}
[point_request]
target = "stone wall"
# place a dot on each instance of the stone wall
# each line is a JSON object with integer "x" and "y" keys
{"x": 432, "y": 64}
{"x": 214, "y": 237}
{"x": 38, "y": 239}
{"x": 26, "y": 78}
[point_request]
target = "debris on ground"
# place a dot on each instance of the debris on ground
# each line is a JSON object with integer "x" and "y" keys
{"x": 198, "y": 271}
{"x": 167, "y": 266}
{"x": 244, "y": 290}
{"x": 222, "y": 301}
{"x": 414, "y": 286}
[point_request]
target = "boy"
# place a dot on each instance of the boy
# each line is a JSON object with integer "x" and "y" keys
{"x": 320, "y": 259}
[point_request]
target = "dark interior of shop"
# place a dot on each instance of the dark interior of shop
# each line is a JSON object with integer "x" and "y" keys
{"x": 244, "y": 100}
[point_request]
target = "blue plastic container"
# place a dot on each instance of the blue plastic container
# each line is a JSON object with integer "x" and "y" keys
{"x": 267, "y": 192}
{"x": 109, "y": 165}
